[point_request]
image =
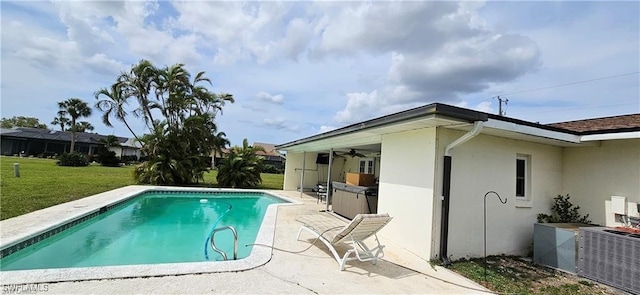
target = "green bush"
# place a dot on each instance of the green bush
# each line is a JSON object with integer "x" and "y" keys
{"x": 268, "y": 168}
{"x": 563, "y": 211}
{"x": 107, "y": 158}
{"x": 74, "y": 159}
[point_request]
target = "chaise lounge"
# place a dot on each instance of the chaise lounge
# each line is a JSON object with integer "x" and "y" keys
{"x": 332, "y": 231}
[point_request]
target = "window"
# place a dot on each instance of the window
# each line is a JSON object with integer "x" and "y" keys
{"x": 523, "y": 178}
{"x": 367, "y": 166}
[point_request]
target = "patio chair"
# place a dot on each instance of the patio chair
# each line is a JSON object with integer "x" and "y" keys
{"x": 332, "y": 231}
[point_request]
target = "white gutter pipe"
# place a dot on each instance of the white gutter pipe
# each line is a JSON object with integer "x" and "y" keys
{"x": 477, "y": 128}
{"x": 446, "y": 189}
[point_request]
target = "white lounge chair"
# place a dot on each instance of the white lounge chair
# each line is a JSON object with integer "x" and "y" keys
{"x": 332, "y": 231}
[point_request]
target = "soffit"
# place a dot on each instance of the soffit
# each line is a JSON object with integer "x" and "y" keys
{"x": 370, "y": 139}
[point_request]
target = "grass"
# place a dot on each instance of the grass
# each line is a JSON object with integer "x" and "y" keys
{"x": 42, "y": 183}
{"x": 511, "y": 275}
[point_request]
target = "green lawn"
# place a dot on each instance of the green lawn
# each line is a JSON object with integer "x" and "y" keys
{"x": 43, "y": 184}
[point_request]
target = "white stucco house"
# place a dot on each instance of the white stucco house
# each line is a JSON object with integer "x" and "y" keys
{"x": 435, "y": 163}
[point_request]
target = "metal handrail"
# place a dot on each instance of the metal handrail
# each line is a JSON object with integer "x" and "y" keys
{"x": 235, "y": 241}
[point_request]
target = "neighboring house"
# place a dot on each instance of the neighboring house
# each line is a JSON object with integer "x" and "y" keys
{"x": 44, "y": 142}
{"x": 434, "y": 164}
{"x": 270, "y": 154}
{"x": 128, "y": 148}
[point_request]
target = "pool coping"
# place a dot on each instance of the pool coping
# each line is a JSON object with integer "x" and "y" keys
{"x": 86, "y": 206}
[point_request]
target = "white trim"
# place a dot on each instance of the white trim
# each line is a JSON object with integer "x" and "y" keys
{"x": 611, "y": 136}
{"x": 366, "y": 167}
{"x": 526, "y": 199}
{"x": 534, "y": 131}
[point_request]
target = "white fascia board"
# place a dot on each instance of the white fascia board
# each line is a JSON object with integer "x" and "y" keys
{"x": 611, "y": 136}
{"x": 533, "y": 131}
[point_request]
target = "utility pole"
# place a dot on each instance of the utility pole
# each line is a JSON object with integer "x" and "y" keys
{"x": 500, "y": 101}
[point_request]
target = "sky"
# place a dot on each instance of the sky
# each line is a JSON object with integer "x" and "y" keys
{"x": 297, "y": 69}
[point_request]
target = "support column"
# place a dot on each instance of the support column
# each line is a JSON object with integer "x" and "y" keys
{"x": 304, "y": 160}
{"x": 329, "y": 189}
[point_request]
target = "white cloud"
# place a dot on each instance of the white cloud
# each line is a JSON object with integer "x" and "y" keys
{"x": 336, "y": 62}
{"x": 484, "y": 106}
{"x": 279, "y": 123}
{"x": 359, "y": 107}
{"x": 451, "y": 54}
{"x": 324, "y": 128}
{"x": 276, "y": 99}
{"x": 102, "y": 64}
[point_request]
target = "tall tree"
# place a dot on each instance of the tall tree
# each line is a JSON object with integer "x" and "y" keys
{"x": 83, "y": 126}
{"x": 75, "y": 108}
{"x": 179, "y": 114}
{"x": 61, "y": 120}
{"x": 113, "y": 105}
{"x": 22, "y": 121}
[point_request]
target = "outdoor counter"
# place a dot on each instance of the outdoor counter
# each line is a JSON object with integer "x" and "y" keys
{"x": 349, "y": 200}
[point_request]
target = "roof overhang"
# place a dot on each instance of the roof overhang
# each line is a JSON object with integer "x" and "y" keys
{"x": 610, "y": 136}
{"x": 369, "y": 133}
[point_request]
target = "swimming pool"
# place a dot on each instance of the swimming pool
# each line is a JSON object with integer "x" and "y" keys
{"x": 161, "y": 230}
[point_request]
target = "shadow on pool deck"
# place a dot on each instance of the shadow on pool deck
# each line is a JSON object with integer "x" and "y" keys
{"x": 312, "y": 271}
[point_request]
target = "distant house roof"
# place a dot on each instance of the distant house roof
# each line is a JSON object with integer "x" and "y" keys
{"x": 269, "y": 149}
{"x": 39, "y": 133}
{"x": 602, "y": 125}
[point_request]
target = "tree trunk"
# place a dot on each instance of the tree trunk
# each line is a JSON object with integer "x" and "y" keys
{"x": 73, "y": 134}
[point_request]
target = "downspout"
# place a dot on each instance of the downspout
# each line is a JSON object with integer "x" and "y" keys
{"x": 446, "y": 189}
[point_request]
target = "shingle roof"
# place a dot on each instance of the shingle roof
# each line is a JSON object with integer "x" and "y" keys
{"x": 602, "y": 125}
{"x": 39, "y": 133}
{"x": 269, "y": 149}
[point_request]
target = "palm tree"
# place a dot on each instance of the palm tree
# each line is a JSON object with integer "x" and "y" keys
{"x": 114, "y": 105}
{"x": 139, "y": 83}
{"x": 61, "y": 120}
{"x": 241, "y": 168}
{"x": 179, "y": 115}
{"x": 83, "y": 126}
{"x": 75, "y": 108}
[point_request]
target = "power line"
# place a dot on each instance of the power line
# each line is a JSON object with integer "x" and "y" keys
{"x": 570, "y": 83}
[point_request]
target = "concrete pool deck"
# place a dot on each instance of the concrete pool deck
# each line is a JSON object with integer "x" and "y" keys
{"x": 312, "y": 271}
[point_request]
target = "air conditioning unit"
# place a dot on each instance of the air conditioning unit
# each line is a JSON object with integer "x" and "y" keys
{"x": 610, "y": 256}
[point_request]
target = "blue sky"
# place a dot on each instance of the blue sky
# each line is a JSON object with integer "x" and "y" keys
{"x": 300, "y": 68}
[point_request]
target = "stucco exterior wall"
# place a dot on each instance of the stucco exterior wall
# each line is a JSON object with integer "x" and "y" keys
{"x": 488, "y": 163}
{"x": 293, "y": 171}
{"x": 313, "y": 174}
{"x": 406, "y": 188}
{"x": 594, "y": 174}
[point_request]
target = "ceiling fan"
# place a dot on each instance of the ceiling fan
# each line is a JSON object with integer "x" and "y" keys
{"x": 352, "y": 153}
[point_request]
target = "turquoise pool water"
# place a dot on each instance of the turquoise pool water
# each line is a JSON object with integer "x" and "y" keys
{"x": 154, "y": 227}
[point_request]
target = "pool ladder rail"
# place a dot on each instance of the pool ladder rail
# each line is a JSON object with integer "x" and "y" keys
{"x": 235, "y": 242}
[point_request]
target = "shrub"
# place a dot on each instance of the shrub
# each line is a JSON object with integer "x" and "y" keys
{"x": 241, "y": 167}
{"x": 74, "y": 159}
{"x": 268, "y": 168}
{"x": 130, "y": 158}
{"x": 107, "y": 158}
{"x": 563, "y": 211}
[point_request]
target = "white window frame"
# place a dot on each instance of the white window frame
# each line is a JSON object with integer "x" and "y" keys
{"x": 523, "y": 200}
{"x": 369, "y": 164}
